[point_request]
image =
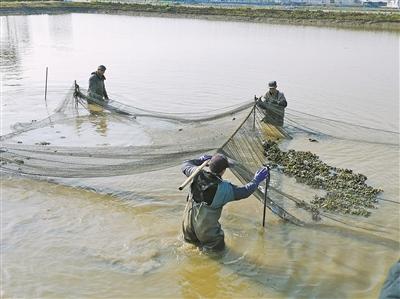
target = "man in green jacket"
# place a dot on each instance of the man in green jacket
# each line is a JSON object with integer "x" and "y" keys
{"x": 97, "y": 89}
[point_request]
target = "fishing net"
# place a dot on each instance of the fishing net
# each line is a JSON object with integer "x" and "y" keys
{"x": 153, "y": 141}
{"x": 325, "y": 127}
{"x": 161, "y": 140}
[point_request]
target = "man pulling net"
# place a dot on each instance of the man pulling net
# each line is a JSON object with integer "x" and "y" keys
{"x": 273, "y": 104}
{"x": 208, "y": 194}
{"x": 97, "y": 88}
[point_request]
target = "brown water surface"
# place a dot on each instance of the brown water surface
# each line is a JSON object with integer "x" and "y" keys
{"x": 58, "y": 241}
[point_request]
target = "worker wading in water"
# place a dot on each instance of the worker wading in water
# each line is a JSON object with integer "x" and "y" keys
{"x": 273, "y": 103}
{"x": 207, "y": 196}
{"x": 274, "y": 96}
{"x": 97, "y": 88}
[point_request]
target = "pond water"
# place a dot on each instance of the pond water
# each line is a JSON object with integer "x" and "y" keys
{"x": 58, "y": 241}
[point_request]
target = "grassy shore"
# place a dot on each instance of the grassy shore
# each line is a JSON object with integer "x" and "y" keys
{"x": 361, "y": 19}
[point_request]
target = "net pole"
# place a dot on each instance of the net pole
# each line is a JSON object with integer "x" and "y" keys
{"x": 254, "y": 117}
{"x": 75, "y": 94}
{"x": 265, "y": 198}
{"x": 45, "y": 87}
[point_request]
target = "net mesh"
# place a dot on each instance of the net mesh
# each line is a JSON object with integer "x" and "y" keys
{"x": 325, "y": 127}
{"x": 163, "y": 140}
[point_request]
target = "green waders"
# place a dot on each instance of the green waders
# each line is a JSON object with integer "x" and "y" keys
{"x": 201, "y": 226}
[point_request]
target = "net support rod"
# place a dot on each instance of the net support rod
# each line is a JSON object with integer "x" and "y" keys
{"x": 45, "y": 87}
{"x": 265, "y": 198}
{"x": 76, "y": 89}
{"x": 190, "y": 178}
{"x": 254, "y": 113}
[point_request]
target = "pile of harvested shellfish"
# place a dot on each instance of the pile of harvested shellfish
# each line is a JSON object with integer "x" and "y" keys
{"x": 346, "y": 191}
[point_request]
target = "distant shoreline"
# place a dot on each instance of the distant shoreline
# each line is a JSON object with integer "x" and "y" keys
{"x": 340, "y": 18}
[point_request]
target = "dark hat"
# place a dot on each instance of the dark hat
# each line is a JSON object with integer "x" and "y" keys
{"x": 101, "y": 67}
{"x": 218, "y": 163}
{"x": 272, "y": 84}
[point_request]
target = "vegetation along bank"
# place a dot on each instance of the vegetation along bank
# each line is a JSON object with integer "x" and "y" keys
{"x": 343, "y": 18}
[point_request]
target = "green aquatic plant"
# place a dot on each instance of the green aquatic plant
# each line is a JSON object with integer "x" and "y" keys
{"x": 347, "y": 192}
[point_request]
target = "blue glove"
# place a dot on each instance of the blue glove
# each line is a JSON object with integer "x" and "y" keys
{"x": 261, "y": 174}
{"x": 205, "y": 158}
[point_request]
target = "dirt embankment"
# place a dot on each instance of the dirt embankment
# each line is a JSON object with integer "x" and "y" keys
{"x": 361, "y": 19}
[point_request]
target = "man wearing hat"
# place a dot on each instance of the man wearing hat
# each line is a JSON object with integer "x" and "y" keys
{"x": 274, "y": 96}
{"x": 273, "y": 103}
{"x": 97, "y": 89}
{"x": 207, "y": 196}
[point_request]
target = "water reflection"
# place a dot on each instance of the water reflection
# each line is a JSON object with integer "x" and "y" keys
{"x": 14, "y": 38}
{"x": 97, "y": 117}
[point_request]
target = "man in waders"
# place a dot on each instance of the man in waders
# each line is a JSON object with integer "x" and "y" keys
{"x": 97, "y": 89}
{"x": 273, "y": 103}
{"x": 274, "y": 96}
{"x": 207, "y": 196}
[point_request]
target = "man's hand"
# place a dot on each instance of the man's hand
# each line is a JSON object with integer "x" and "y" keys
{"x": 261, "y": 174}
{"x": 259, "y": 101}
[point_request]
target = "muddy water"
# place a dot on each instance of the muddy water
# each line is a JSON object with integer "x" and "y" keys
{"x": 60, "y": 242}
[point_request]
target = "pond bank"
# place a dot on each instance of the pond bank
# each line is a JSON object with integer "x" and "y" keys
{"x": 367, "y": 20}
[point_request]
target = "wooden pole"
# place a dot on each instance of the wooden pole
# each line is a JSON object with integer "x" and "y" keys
{"x": 45, "y": 88}
{"x": 254, "y": 113}
{"x": 190, "y": 178}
